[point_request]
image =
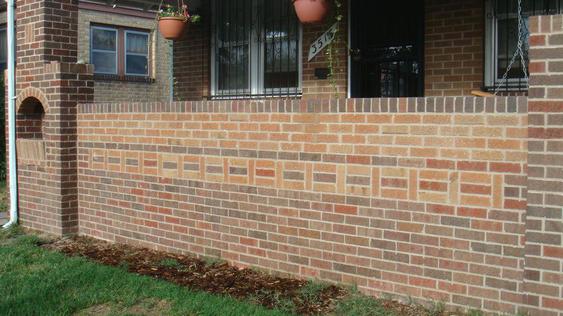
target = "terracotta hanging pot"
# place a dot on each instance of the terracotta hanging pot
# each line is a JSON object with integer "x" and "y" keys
{"x": 311, "y": 11}
{"x": 172, "y": 27}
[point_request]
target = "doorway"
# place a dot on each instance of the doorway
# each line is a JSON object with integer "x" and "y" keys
{"x": 387, "y": 48}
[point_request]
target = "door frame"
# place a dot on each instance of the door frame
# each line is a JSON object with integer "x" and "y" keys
{"x": 422, "y": 50}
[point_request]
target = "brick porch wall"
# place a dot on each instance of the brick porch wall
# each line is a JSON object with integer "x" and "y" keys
{"x": 544, "y": 219}
{"x": 417, "y": 197}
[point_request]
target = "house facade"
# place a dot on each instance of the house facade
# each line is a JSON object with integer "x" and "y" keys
{"x": 391, "y": 174}
{"x": 133, "y": 34}
{"x": 429, "y": 48}
{"x": 104, "y": 33}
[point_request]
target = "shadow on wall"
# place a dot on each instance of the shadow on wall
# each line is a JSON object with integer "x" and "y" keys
{"x": 30, "y": 142}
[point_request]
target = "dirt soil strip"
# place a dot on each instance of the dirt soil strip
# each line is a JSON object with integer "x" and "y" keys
{"x": 215, "y": 276}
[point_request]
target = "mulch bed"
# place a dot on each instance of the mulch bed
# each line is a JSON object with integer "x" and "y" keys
{"x": 215, "y": 277}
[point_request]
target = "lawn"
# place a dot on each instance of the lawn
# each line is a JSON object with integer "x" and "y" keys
{"x": 3, "y": 197}
{"x": 35, "y": 281}
{"x": 66, "y": 277}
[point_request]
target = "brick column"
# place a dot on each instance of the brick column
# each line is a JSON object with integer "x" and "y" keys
{"x": 49, "y": 86}
{"x": 543, "y": 280}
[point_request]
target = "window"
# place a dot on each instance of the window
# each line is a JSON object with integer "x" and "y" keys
{"x": 119, "y": 51}
{"x": 502, "y": 40}
{"x": 104, "y": 50}
{"x": 136, "y": 53}
{"x": 256, "y": 49}
{"x": 3, "y": 49}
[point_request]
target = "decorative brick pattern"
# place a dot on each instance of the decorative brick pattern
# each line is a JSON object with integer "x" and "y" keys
{"x": 544, "y": 218}
{"x": 419, "y": 197}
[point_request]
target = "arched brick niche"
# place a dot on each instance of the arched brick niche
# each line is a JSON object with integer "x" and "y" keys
{"x": 31, "y": 108}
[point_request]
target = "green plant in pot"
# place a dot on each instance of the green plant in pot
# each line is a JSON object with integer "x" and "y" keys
{"x": 173, "y": 21}
{"x": 332, "y": 51}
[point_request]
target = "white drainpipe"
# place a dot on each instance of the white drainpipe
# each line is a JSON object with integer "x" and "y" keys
{"x": 12, "y": 116}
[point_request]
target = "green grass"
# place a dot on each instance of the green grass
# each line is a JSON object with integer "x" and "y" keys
{"x": 35, "y": 281}
{"x": 3, "y": 196}
{"x": 360, "y": 305}
{"x": 170, "y": 263}
{"x": 312, "y": 290}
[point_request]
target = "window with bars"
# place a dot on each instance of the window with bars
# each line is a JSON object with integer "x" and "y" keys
{"x": 3, "y": 49}
{"x": 256, "y": 49}
{"x": 502, "y": 40}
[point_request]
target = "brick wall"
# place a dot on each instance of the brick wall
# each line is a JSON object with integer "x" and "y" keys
{"x": 544, "y": 219}
{"x": 46, "y": 31}
{"x": 415, "y": 197}
{"x": 159, "y": 59}
{"x": 46, "y": 146}
{"x": 191, "y": 63}
{"x": 49, "y": 85}
{"x": 314, "y": 88}
{"x": 454, "y": 51}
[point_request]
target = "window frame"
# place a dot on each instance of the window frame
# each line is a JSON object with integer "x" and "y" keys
{"x": 256, "y": 56}
{"x": 126, "y": 54}
{"x": 121, "y": 52}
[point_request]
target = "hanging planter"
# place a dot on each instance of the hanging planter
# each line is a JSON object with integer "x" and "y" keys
{"x": 311, "y": 11}
{"x": 172, "y": 27}
{"x": 173, "y": 21}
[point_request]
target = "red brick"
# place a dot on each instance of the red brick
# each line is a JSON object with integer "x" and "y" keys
{"x": 346, "y": 209}
{"x": 440, "y": 164}
{"x": 505, "y": 167}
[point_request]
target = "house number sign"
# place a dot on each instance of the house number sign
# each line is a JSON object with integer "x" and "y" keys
{"x": 320, "y": 43}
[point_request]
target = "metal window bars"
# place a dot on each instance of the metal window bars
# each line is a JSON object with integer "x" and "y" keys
{"x": 256, "y": 49}
{"x": 510, "y": 44}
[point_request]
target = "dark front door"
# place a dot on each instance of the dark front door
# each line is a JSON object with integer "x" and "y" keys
{"x": 387, "y": 44}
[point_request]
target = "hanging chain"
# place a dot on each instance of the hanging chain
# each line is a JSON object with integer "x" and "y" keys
{"x": 158, "y": 13}
{"x": 519, "y": 51}
{"x": 521, "y": 39}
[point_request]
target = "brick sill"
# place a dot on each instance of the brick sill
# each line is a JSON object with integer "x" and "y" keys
{"x": 121, "y": 78}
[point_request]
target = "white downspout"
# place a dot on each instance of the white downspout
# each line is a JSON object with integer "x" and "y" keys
{"x": 13, "y": 176}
